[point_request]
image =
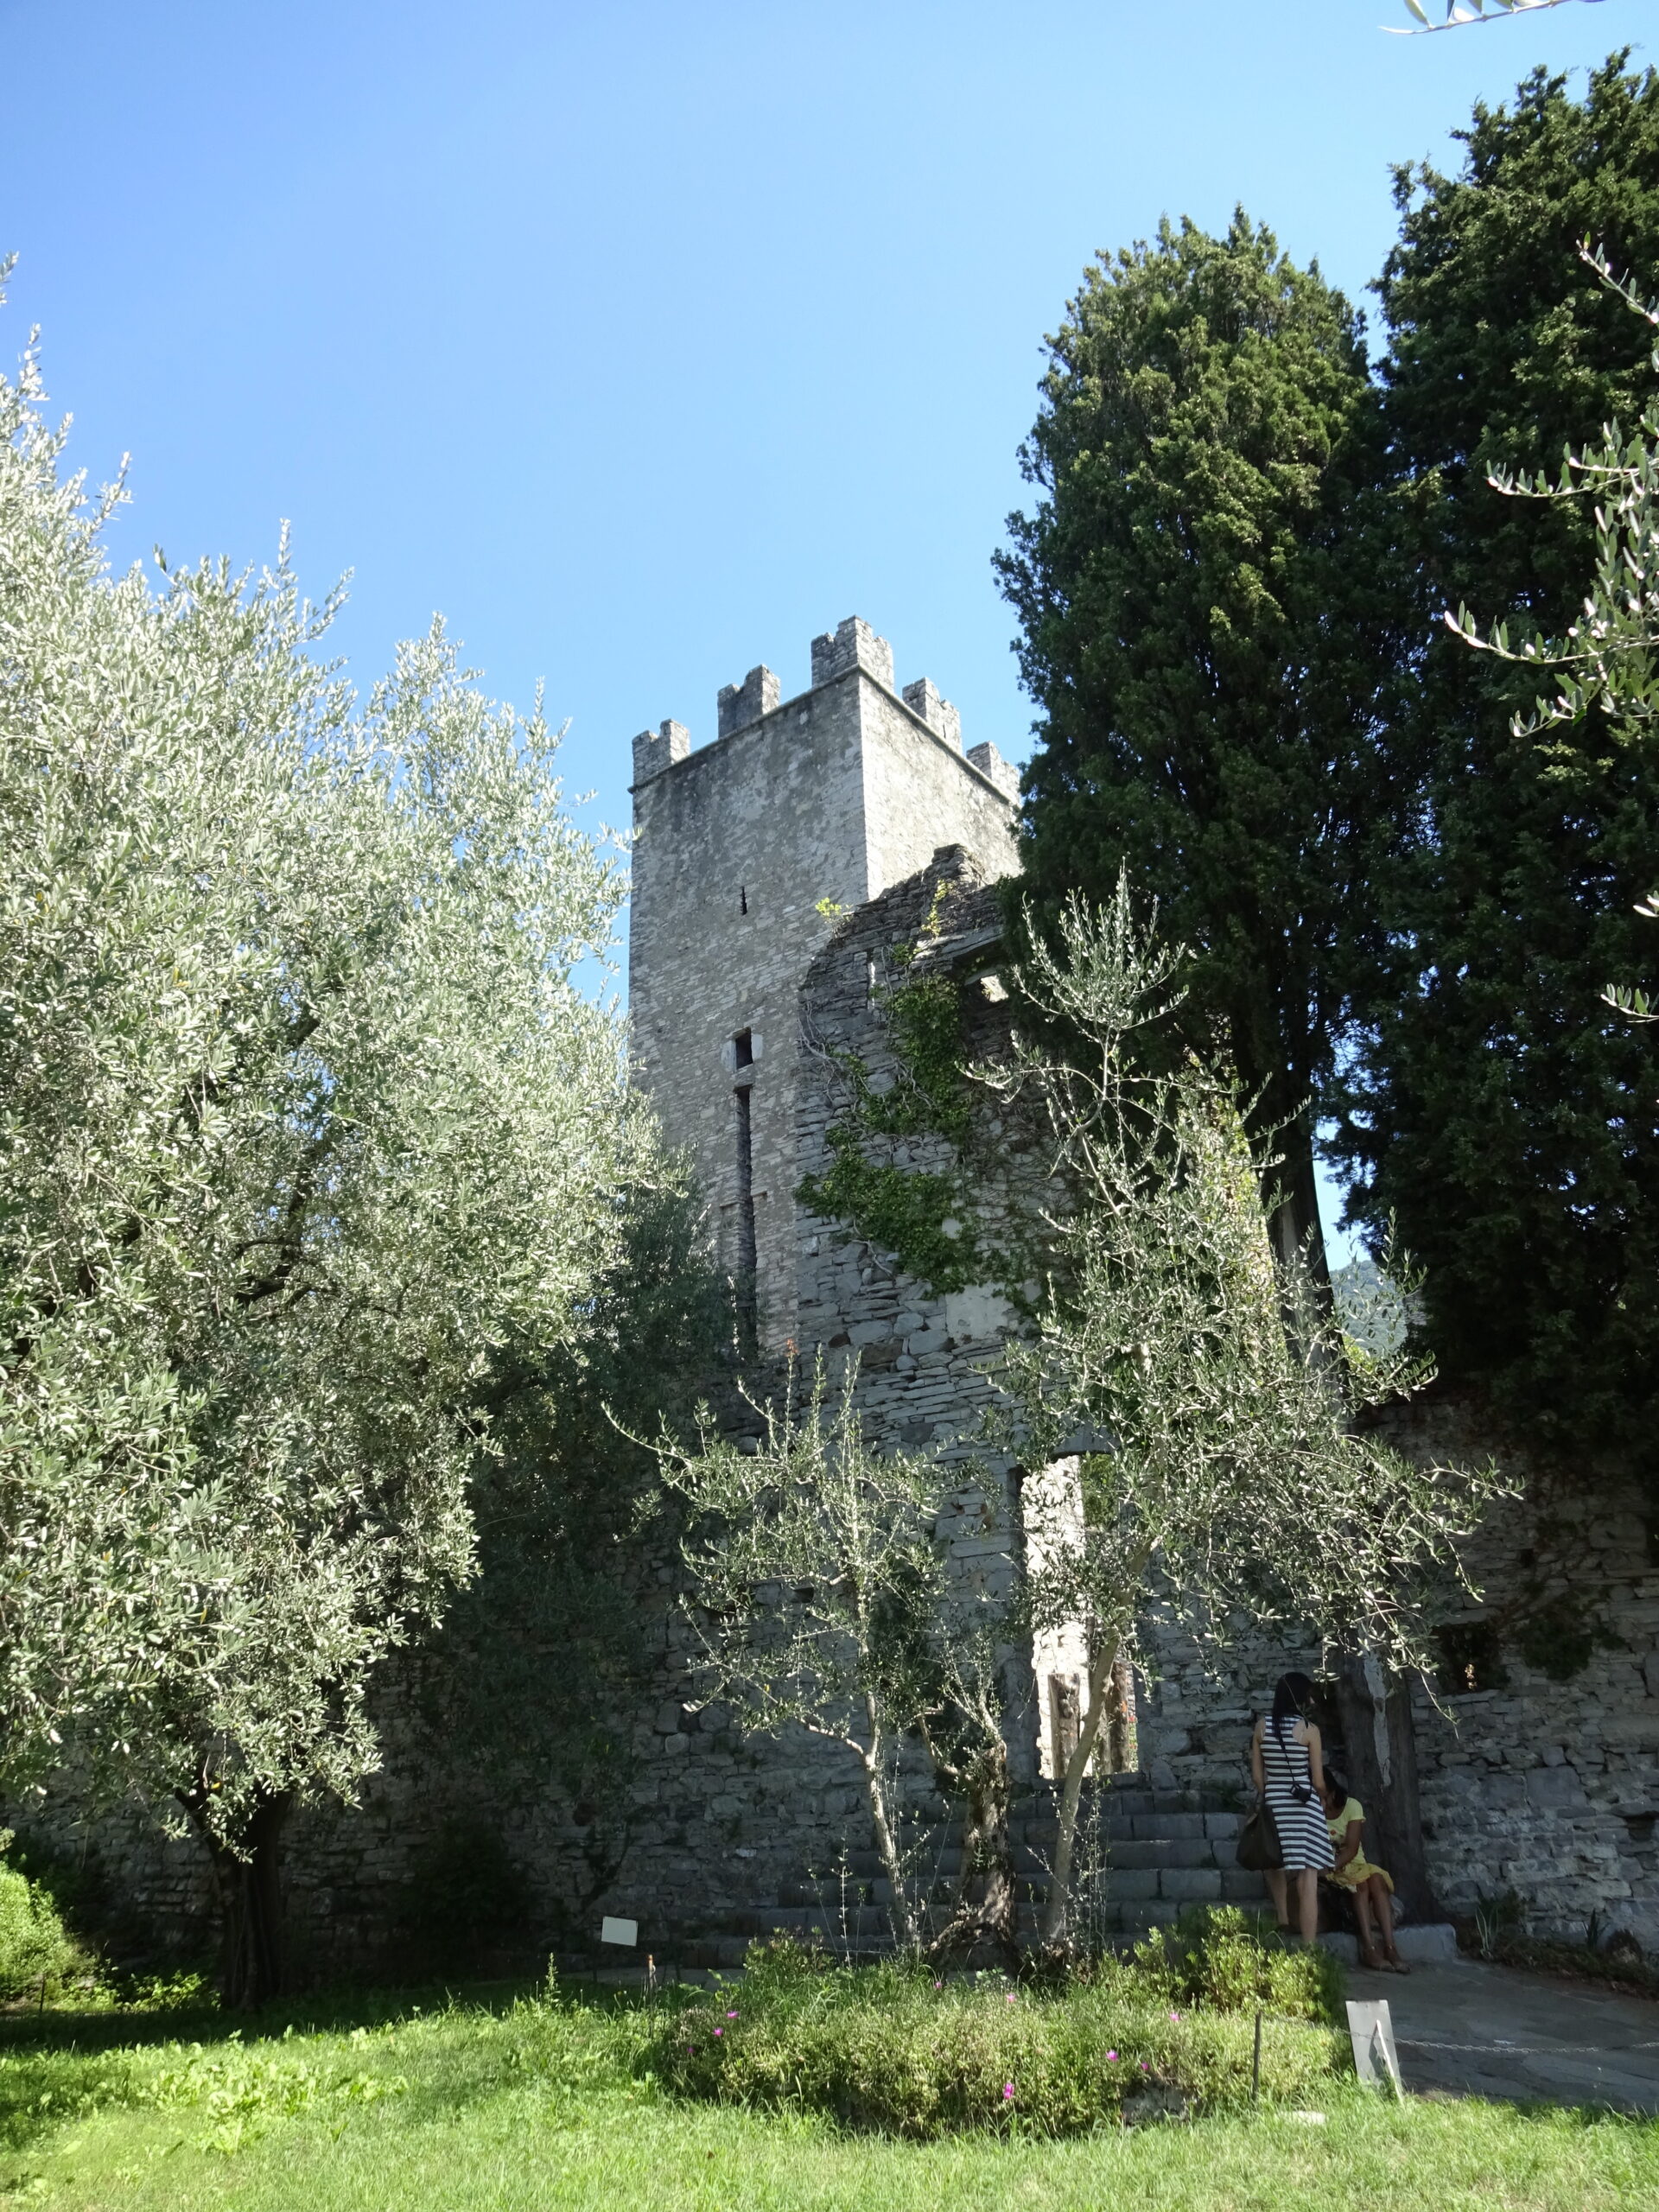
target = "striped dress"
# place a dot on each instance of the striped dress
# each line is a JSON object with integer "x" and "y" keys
{"x": 1304, "y": 1833}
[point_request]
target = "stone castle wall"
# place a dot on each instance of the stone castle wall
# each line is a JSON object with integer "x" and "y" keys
{"x": 858, "y": 796}
{"x": 747, "y": 851}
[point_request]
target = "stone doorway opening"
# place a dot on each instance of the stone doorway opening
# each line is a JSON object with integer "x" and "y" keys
{"x": 1051, "y": 1505}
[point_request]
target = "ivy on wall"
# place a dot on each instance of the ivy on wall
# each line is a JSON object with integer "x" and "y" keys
{"x": 920, "y": 1215}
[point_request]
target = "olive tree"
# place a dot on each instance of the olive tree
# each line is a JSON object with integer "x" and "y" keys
{"x": 302, "y": 1117}
{"x": 822, "y": 1595}
{"x": 1458, "y": 12}
{"x": 1209, "y": 1402}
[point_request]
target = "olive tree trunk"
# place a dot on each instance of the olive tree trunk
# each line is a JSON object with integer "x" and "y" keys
{"x": 986, "y": 1921}
{"x": 247, "y": 1883}
{"x": 1102, "y": 1667}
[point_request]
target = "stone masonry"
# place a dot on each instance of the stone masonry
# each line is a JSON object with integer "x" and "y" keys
{"x": 746, "y": 849}
{"x": 776, "y": 869}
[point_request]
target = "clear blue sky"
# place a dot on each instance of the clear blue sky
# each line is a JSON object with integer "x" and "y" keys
{"x": 647, "y": 341}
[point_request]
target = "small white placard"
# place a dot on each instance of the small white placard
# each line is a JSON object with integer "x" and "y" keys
{"x": 1370, "y": 2030}
{"x": 627, "y": 1931}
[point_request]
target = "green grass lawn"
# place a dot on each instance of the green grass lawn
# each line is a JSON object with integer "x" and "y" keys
{"x": 487, "y": 2104}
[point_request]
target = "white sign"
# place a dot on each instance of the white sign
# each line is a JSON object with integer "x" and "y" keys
{"x": 627, "y": 1931}
{"x": 1372, "y": 2032}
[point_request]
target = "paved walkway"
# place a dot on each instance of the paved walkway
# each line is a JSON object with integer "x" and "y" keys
{"x": 1567, "y": 2043}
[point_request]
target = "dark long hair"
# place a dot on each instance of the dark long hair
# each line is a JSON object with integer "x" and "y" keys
{"x": 1293, "y": 1700}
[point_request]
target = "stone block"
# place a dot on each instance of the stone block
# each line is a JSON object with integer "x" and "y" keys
{"x": 1176, "y": 1851}
{"x": 1129, "y": 1801}
{"x": 1239, "y": 1887}
{"x": 1555, "y": 1786}
{"x": 1169, "y": 1826}
{"x": 1434, "y": 1942}
{"x": 1190, "y": 1884}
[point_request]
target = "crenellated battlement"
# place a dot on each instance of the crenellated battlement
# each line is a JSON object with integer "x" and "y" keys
{"x": 852, "y": 643}
{"x": 939, "y": 714}
{"x": 656, "y": 749}
{"x": 1003, "y": 773}
{"x": 851, "y": 646}
{"x": 739, "y": 705}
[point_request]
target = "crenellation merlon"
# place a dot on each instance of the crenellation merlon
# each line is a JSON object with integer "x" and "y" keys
{"x": 739, "y": 705}
{"x": 1004, "y": 774}
{"x": 939, "y": 714}
{"x": 852, "y": 645}
{"x": 656, "y": 749}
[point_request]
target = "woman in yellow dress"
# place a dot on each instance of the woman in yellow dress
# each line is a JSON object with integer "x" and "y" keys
{"x": 1370, "y": 1887}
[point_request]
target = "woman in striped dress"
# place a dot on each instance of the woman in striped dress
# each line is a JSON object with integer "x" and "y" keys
{"x": 1285, "y": 1762}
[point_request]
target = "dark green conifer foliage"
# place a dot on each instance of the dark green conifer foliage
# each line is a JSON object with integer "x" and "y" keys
{"x": 1207, "y": 630}
{"x": 1500, "y": 1111}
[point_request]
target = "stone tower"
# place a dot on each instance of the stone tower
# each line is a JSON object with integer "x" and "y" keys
{"x": 746, "y": 851}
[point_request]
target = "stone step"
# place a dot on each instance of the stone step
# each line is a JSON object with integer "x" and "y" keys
{"x": 1139, "y": 1891}
{"x": 1179, "y": 1851}
{"x": 1131, "y": 1827}
{"x": 860, "y": 1923}
{"x": 1182, "y": 1885}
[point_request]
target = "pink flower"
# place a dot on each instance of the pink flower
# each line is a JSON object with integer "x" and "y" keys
{"x": 1175, "y": 2016}
{"x": 938, "y": 1985}
{"x": 732, "y": 2016}
{"x": 1144, "y": 2068}
{"x": 1014, "y": 2000}
{"x": 1008, "y": 2093}
{"x": 720, "y": 2031}
{"x": 1111, "y": 2058}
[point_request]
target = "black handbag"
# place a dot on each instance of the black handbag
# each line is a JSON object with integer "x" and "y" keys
{"x": 1259, "y": 1848}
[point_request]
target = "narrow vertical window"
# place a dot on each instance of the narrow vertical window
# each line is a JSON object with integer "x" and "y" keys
{"x": 745, "y": 1255}
{"x": 742, "y": 898}
{"x": 743, "y": 1049}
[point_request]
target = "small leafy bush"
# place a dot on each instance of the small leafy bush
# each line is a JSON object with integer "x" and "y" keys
{"x": 1227, "y": 1961}
{"x": 1498, "y": 1920}
{"x": 895, "y": 2047}
{"x": 35, "y": 1946}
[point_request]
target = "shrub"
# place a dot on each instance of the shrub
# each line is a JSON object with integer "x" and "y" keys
{"x": 896, "y": 2048}
{"x": 35, "y": 1946}
{"x": 1228, "y": 1962}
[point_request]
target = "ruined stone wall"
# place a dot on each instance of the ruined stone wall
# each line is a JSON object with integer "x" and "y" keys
{"x": 1545, "y": 1786}
{"x": 1549, "y": 1787}
{"x": 1541, "y": 1785}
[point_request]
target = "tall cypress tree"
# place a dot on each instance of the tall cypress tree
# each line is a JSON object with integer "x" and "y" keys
{"x": 1209, "y": 631}
{"x": 1500, "y": 1111}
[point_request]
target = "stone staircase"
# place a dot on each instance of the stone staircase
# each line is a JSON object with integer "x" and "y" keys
{"x": 1158, "y": 1849}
